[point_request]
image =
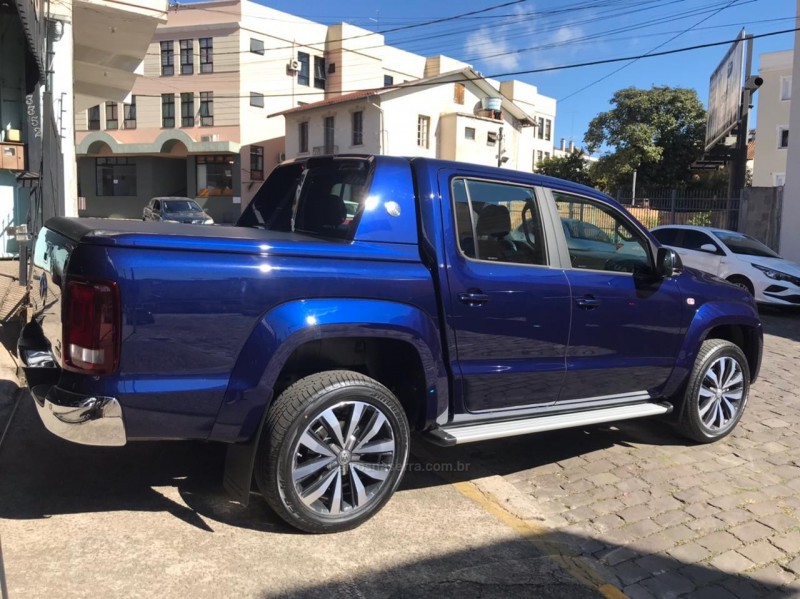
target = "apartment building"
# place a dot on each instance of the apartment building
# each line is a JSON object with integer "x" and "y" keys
{"x": 196, "y": 123}
{"x": 772, "y": 126}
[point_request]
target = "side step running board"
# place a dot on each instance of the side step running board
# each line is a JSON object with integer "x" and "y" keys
{"x": 457, "y": 435}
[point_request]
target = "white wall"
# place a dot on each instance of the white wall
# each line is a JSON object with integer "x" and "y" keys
{"x": 790, "y": 219}
{"x": 773, "y": 114}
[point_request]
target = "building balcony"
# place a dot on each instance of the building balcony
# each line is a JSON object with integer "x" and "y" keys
{"x": 110, "y": 41}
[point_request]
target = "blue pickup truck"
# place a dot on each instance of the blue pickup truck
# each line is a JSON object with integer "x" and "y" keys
{"x": 363, "y": 299}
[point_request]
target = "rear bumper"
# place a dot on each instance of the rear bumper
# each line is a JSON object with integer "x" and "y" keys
{"x": 79, "y": 418}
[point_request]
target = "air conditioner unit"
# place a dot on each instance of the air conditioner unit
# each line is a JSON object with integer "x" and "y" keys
{"x": 212, "y": 137}
{"x": 294, "y": 65}
{"x": 280, "y": 157}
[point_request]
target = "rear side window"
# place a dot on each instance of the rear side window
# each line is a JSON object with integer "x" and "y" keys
{"x": 498, "y": 222}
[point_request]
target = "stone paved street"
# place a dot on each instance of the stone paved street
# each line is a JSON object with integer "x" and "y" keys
{"x": 660, "y": 517}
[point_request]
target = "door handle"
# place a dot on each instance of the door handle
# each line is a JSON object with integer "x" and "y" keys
{"x": 587, "y": 302}
{"x": 473, "y": 298}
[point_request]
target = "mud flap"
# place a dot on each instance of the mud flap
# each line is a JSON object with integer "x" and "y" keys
{"x": 240, "y": 460}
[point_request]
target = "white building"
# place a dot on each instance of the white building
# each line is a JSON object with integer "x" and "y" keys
{"x": 457, "y": 115}
{"x": 772, "y": 129}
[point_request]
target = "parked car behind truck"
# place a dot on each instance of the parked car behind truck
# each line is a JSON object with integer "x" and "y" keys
{"x": 314, "y": 341}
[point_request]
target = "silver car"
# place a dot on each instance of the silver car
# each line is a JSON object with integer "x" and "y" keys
{"x": 176, "y": 209}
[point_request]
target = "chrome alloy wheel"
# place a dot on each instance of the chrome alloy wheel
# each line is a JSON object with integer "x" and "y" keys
{"x": 721, "y": 393}
{"x": 343, "y": 458}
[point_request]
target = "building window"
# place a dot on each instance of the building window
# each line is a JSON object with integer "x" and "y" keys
{"x": 786, "y": 88}
{"x": 548, "y": 129}
{"x": 215, "y": 175}
{"x": 167, "y": 110}
{"x": 539, "y": 156}
{"x": 458, "y": 95}
{"x": 319, "y": 72}
{"x": 257, "y": 46}
{"x": 187, "y": 109}
{"x": 130, "y": 113}
{"x": 256, "y": 99}
{"x": 302, "y": 74}
{"x": 256, "y": 163}
{"x": 112, "y": 115}
{"x": 469, "y": 133}
{"x": 358, "y": 128}
{"x": 388, "y": 81}
{"x": 779, "y": 179}
{"x": 94, "y": 118}
{"x": 547, "y": 155}
{"x": 783, "y": 138}
{"x": 167, "y": 58}
{"x": 423, "y": 131}
{"x": 187, "y": 57}
{"x": 491, "y": 138}
{"x": 206, "y": 109}
{"x": 302, "y": 134}
{"x": 206, "y": 55}
{"x": 115, "y": 177}
{"x": 329, "y": 134}
{"x": 540, "y": 128}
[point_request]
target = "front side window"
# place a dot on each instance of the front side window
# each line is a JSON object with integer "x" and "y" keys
{"x": 498, "y": 222}
{"x": 303, "y": 74}
{"x": 115, "y": 177}
{"x": 168, "y": 58}
{"x": 319, "y": 72}
{"x": 302, "y": 134}
{"x": 187, "y": 57}
{"x": 423, "y": 131}
{"x": 215, "y": 175}
{"x": 167, "y": 110}
{"x": 256, "y": 163}
{"x": 130, "y": 114}
{"x": 187, "y": 109}
{"x": 358, "y": 128}
{"x": 112, "y": 115}
{"x": 207, "y": 109}
{"x": 600, "y": 238}
{"x": 93, "y": 116}
{"x": 206, "y": 55}
{"x": 695, "y": 240}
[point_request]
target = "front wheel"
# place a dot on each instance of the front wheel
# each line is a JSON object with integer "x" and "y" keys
{"x": 716, "y": 394}
{"x": 333, "y": 451}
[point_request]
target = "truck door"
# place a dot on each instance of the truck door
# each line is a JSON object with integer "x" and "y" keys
{"x": 626, "y": 320}
{"x": 508, "y": 310}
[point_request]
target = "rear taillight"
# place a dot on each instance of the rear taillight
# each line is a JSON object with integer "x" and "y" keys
{"x": 91, "y": 321}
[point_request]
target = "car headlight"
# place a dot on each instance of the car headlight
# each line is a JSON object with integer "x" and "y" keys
{"x": 170, "y": 220}
{"x": 208, "y": 221}
{"x": 777, "y": 275}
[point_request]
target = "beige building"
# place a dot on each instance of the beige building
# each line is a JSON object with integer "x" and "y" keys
{"x": 196, "y": 122}
{"x": 457, "y": 115}
{"x": 772, "y": 125}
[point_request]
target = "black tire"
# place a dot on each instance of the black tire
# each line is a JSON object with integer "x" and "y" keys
{"x": 742, "y": 282}
{"x": 716, "y": 395}
{"x": 360, "y": 477}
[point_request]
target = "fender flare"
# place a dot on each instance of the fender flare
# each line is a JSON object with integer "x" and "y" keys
{"x": 288, "y": 326}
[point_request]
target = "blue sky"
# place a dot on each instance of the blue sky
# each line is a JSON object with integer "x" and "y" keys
{"x": 536, "y": 34}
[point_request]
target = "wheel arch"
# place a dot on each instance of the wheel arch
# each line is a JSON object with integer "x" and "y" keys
{"x": 274, "y": 355}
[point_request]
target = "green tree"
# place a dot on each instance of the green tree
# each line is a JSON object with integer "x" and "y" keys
{"x": 571, "y": 167}
{"x": 658, "y": 132}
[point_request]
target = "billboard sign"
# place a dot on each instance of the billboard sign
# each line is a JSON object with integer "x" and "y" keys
{"x": 725, "y": 93}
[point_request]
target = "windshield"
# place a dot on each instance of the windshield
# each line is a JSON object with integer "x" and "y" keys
{"x": 181, "y": 206}
{"x": 739, "y": 243}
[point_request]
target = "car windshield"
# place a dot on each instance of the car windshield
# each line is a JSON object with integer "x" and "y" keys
{"x": 181, "y": 206}
{"x": 744, "y": 244}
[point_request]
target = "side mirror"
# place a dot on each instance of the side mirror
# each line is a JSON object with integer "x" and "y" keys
{"x": 708, "y": 247}
{"x": 668, "y": 263}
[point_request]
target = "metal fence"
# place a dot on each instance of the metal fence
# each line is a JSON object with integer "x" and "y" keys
{"x": 707, "y": 208}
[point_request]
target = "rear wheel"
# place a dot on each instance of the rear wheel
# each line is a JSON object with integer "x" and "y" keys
{"x": 333, "y": 452}
{"x": 717, "y": 392}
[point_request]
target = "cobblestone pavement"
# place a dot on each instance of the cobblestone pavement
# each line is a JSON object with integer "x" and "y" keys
{"x": 660, "y": 517}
